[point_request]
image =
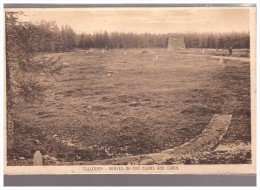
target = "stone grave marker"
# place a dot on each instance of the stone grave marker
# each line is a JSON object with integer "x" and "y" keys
{"x": 37, "y": 158}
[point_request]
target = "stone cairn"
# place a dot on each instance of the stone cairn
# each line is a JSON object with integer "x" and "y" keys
{"x": 176, "y": 41}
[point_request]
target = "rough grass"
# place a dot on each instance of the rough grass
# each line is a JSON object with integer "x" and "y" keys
{"x": 111, "y": 105}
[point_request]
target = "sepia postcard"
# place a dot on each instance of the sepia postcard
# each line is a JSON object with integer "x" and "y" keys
{"x": 130, "y": 90}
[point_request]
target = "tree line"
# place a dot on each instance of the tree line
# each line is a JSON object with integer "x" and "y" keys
{"x": 51, "y": 38}
{"x": 236, "y": 40}
{"x": 147, "y": 40}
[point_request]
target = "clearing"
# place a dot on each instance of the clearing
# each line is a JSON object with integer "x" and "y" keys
{"x": 116, "y": 104}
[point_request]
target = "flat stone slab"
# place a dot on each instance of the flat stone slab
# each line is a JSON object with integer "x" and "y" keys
{"x": 203, "y": 143}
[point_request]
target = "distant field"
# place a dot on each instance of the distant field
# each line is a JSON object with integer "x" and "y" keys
{"x": 114, "y": 104}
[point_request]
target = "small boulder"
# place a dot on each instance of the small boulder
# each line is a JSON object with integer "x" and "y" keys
{"x": 57, "y": 162}
{"x": 55, "y": 135}
{"x": 46, "y": 157}
{"x": 149, "y": 161}
{"x": 134, "y": 104}
{"x": 53, "y": 159}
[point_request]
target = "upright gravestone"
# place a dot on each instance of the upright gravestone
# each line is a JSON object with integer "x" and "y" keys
{"x": 37, "y": 158}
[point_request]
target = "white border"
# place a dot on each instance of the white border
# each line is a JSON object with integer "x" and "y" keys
{"x": 245, "y": 2}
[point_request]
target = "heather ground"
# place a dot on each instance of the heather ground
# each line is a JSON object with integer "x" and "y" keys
{"x": 117, "y": 104}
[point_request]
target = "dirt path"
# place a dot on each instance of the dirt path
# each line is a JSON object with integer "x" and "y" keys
{"x": 205, "y": 142}
{"x": 244, "y": 59}
{"x": 209, "y": 137}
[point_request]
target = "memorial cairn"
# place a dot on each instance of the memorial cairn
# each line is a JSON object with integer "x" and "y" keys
{"x": 176, "y": 41}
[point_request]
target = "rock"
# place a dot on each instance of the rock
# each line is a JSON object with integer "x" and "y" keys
{"x": 54, "y": 136}
{"x": 79, "y": 162}
{"x": 37, "y": 142}
{"x": 66, "y": 63}
{"x": 157, "y": 151}
{"x": 78, "y": 157}
{"x": 89, "y": 107}
{"x": 134, "y": 104}
{"x": 149, "y": 161}
{"x": 116, "y": 113}
{"x": 37, "y": 158}
{"x": 104, "y": 115}
{"x": 110, "y": 154}
{"x": 46, "y": 157}
{"x": 53, "y": 159}
{"x": 21, "y": 158}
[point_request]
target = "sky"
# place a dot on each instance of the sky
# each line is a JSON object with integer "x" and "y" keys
{"x": 150, "y": 20}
